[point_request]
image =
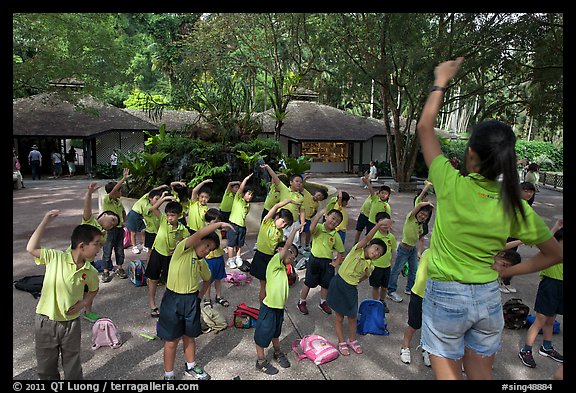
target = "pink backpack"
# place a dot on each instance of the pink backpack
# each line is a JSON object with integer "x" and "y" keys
{"x": 237, "y": 278}
{"x": 105, "y": 334}
{"x": 315, "y": 348}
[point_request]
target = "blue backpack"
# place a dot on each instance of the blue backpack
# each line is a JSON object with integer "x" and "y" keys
{"x": 371, "y": 318}
{"x": 136, "y": 271}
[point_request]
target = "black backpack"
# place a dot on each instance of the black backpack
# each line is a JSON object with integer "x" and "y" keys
{"x": 32, "y": 284}
{"x": 515, "y": 314}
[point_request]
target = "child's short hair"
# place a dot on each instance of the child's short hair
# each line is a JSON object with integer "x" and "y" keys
{"x": 345, "y": 197}
{"x": 286, "y": 215}
{"x": 323, "y": 192}
{"x": 212, "y": 214}
{"x": 173, "y": 207}
{"x": 378, "y": 242}
{"x": 512, "y": 256}
{"x": 425, "y": 208}
{"x": 385, "y": 188}
{"x": 527, "y": 186}
{"x": 83, "y": 233}
{"x": 282, "y": 243}
{"x": 214, "y": 237}
{"x": 110, "y": 213}
{"x": 182, "y": 191}
{"x": 155, "y": 193}
{"x": 338, "y": 213}
{"x": 247, "y": 190}
{"x": 206, "y": 190}
{"x": 381, "y": 216}
{"x": 110, "y": 186}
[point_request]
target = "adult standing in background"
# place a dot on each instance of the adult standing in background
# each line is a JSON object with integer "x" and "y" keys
{"x": 71, "y": 158}
{"x": 114, "y": 163}
{"x": 35, "y": 161}
{"x": 373, "y": 171}
{"x": 533, "y": 176}
{"x": 56, "y": 163}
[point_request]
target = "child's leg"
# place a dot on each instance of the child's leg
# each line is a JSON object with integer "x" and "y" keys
{"x": 408, "y": 333}
{"x": 260, "y": 352}
{"x": 170, "y": 347}
{"x": 133, "y": 239}
{"x": 189, "y": 349}
{"x": 217, "y": 288}
{"x": 352, "y": 327}
{"x": 383, "y": 292}
{"x": 276, "y": 344}
{"x": 338, "y": 324}
{"x": 376, "y": 293}
{"x": 152, "y": 286}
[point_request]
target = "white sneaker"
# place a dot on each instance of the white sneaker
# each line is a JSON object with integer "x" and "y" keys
{"x": 239, "y": 261}
{"x": 231, "y": 263}
{"x": 503, "y": 289}
{"x": 394, "y": 297}
{"x": 135, "y": 250}
{"x": 407, "y": 292}
{"x": 145, "y": 249}
{"x": 405, "y": 355}
{"x": 510, "y": 289}
{"x": 426, "y": 358}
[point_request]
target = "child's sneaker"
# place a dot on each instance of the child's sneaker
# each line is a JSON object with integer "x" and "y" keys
{"x": 551, "y": 353}
{"x": 239, "y": 261}
{"x": 197, "y": 372}
{"x": 169, "y": 377}
{"x": 106, "y": 277}
{"x": 266, "y": 367}
{"x": 527, "y": 358}
{"x": 302, "y": 308}
{"x": 394, "y": 296}
{"x": 405, "y": 355}
{"x": 145, "y": 249}
{"x": 135, "y": 250}
{"x": 282, "y": 359}
{"x": 90, "y": 316}
{"x": 231, "y": 263}
{"x": 121, "y": 273}
{"x": 426, "y": 358}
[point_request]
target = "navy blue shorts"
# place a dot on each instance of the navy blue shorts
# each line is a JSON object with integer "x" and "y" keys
{"x": 179, "y": 315}
{"x": 415, "y": 311}
{"x": 361, "y": 222}
{"x": 217, "y": 268}
{"x": 236, "y": 239}
{"x": 380, "y": 277}
{"x": 343, "y": 297}
{"x": 157, "y": 266}
{"x": 149, "y": 239}
{"x": 268, "y": 325}
{"x": 319, "y": 271}
{"x": 550, "y": 297}
{"x": 259, "y": 264}
{"x": 135, "y": 222}
{"x": 307, "y": 226}
{"x": 342, "y": 236}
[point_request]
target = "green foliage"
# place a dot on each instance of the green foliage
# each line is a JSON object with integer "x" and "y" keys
{"x": 206, "y": 170}
{"x": 545, "y": 154}
{"x": 143, "y": 167}
{"x": 296, "y": 166}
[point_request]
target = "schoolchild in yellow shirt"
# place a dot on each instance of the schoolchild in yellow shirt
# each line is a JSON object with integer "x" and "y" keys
{"x": 381, "y": 274}
{"x": 198, "y": 205}
{"x": 380, "y": 203}
{"x": 271, "y": 316}
{"x": 240, "y": 209}
{"x": 269, "y": 235}
{"x": 343, "y": 291}
{"x": 58, "y": 332}
{"x": 215, "y": 261}
{"x": 180, "y": 307}
{"x": 311, "y": 204}
{"x": 170, "y": 232}
{"x": 340, "y": 203}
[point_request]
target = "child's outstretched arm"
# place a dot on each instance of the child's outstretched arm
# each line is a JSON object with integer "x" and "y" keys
{"x": 33, "y": 246}
{"x": 115, "y": 193}
{"x": 193, "y": 240}
{"x": 196, "y": 189}
{"x": 243, "y": 184}
{"x": 277, "y": 206}
{"x": 87, "y": 213}
{"x": 231, "y": 184}
{"x": 273, "y": 175}
{"x": 427, "y": 186}
{"x": 380, "y": 224}
{"x": 419, "y": 206}
{"x": 288, "y": 244}
{"x": 443, "y": 73}
{"x": 316, "y": 219}
{"x": 155, "y": 209}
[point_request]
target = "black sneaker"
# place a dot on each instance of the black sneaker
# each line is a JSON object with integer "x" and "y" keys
{"x": 266, "y": 367}
{"x": 282, "y": 360}
{"x": 551, "y": 353}
{"x": 386, "y": 309}
{"x": 106, "y": 277}
{"x": 196, "y": 372}
{"x": 121, "y": 273}
{"x": 527, "y": 358}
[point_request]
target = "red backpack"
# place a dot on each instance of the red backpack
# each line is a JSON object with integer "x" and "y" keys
{"x": 244, "y": 317}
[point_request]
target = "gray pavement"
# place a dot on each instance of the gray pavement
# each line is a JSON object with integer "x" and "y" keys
{"x": 231, "y": 353}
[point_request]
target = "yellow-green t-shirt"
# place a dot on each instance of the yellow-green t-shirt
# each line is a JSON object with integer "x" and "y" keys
{"x": 186, "y": 270}
{"x": 272, "y": 198}
{"x": 411, "y": 230}
{"x": 355, "y": 266}
{"x": 324, "y": 242}
{"x": 419, "y": 286}
{"x": 377, "y": 206}
{"x": 63, "y": 284}
{"x": 554, "y": 271}
{"x": 390, "y": 240}
{"x": 333, "y": 204}
{"x": 240, "y": 209}
{"x": 114, "y": 205}
{"x": 287, "y": 193}
{"x": 196, "y": 215}
{"x": 268, "y": 237}
{"x": 365, "y": 208}
{"x": 219, "y": 251}
{"x": 168, "y": 236}
{"x": 309, "y": 205}
{"x": 143, "y": 207}
{"x": 276, "y": 283}
{"x": 226, "y": 203}
{"x": 471, "y": 226}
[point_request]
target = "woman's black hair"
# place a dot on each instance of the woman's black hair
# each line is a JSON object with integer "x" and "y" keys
{"x": 494, "y": 143}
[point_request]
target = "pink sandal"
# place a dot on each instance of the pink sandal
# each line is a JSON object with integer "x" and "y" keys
{"x": 355, "y": 346}
{"x": 343, "y": 349}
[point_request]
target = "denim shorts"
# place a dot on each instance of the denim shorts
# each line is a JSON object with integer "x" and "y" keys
{"x": 456, "y": 315}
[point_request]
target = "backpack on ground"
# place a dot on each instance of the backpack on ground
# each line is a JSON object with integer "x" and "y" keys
{"x": 136, "y": 271}
{"x": 105, "y": 334}
{"x": 213, "y": 319}
{"x": 127, "y": 242}
{"x": 555, "y": 326}
{"x": 245, "y": 267}
{"x": 515, "y": 314}
{"x": 31, "y": 284}
{"x": 372, "y": 318}
{"x": 237, "y": 278}
{"x": 315, "y": 348}
{"x": 244, "y": 317}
